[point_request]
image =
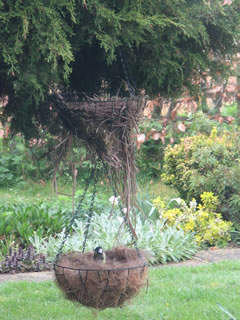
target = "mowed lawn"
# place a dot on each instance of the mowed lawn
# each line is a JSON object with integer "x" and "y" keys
{"x": 174, "y": 293}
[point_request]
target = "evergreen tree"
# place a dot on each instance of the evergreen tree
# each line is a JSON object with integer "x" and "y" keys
{"x": 75, "y": 44}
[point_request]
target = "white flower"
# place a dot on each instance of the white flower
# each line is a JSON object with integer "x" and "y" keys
{"x": 193, "y": 204}
{"x": 114, "y": 200}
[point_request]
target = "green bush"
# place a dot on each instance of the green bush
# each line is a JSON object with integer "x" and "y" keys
{"x": 230, "y": 110}
{"x": 207, "y": 164}
{"x": 150, "y": 157}
{"x": 18, "y": 164}
{"x": 202, "y": 124}
{"x": 202, "y": 219}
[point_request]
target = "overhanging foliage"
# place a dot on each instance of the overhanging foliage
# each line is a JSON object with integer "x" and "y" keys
{"x": 75, "y": 44}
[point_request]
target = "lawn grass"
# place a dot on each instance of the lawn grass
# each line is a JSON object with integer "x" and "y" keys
{"x": 156, "y": 188}
{"x": 175, "y": 293}
{"x": 31, "y": 192}
{"x": 35, "y": 192}
{"x": 27, "y": 193}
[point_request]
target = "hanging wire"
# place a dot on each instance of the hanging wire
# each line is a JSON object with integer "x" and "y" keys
{"x": 97, "y": 171}
{"x": 94, "y": 175}
{"x": 124, "y": 63}
{"x": 113, "y": 186}
{"x": 126, "y": 221}
{"x": 77, "y": 212}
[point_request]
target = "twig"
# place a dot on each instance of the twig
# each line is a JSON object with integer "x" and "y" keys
{"x": 74, "y": 170}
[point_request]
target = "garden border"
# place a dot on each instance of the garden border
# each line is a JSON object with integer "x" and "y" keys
{"x": 202, "y": 257}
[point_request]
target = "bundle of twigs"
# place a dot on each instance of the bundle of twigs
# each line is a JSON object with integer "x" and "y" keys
{"x": 106, "y": 127}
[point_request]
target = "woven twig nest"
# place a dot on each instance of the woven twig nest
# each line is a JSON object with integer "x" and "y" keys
{"x": 108, "y": 130}
{"x": 105, "y": 126}
{"x": 101, "y": 285}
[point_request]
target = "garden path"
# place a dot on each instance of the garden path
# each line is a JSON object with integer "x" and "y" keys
{"x": 202, "y": 257}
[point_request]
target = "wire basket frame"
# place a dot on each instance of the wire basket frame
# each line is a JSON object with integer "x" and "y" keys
{"x": 107, "y": 128}
{"x": 99, "y": 286}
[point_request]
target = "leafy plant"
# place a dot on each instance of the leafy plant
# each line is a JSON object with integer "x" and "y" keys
{"x": 202, "y": 219}
{"x": 22, "y": 221}
{"x": 235, "y": 234}
{"x": 164, "y": 243}
{"x": 230, "y": 110}
{"x": 144, "y": 205}
{"x": 202, "y": 124}
{"x": 17, "y": 163}
{"x": 22, "y": 260}
{"x": 149, "y": 158}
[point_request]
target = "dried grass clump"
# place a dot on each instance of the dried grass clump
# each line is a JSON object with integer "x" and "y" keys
{"x": 102, "y": 285}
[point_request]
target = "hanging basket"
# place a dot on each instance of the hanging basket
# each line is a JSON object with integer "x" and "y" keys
{"x": 107, "y": 128}
{"x": 98, "y": 284}
{"x": 104, "y": 126}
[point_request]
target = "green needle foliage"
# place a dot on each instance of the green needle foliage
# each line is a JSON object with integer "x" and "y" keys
{"x": 75, "y": 44}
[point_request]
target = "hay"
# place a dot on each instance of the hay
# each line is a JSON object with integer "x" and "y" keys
{"x": 102, "y": 285}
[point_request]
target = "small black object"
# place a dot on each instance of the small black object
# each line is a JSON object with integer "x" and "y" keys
{"x": 99, "y": 254}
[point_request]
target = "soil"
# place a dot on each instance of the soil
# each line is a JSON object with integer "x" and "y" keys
{"x": 202, "y": 257}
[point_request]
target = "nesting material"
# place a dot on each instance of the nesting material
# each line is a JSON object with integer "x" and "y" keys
{"x": 102, "y": 285}
{"x": 104, "y": 125}
{"x": 107, "y": 128}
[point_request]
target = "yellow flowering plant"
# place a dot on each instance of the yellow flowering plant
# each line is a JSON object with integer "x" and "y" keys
{"x": 201, "y": 219}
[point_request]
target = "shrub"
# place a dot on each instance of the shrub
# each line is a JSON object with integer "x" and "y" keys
{"x": 202, "y": 124}
{"x": 13, "y": 163}
{"x": 17, "y": 162}
{"x": 202, "y": 219}
{"x": 207, "y": 164}
{"x": 235, "y": 234}
{"x": 36, "y": 160}
{"x": 149, "y": 158}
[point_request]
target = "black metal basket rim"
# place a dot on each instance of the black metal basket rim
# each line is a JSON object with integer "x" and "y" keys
{"x": 98, "y": 270}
